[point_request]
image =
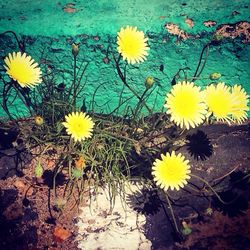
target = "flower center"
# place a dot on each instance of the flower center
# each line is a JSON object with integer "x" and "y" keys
{"x": 185, "y": 104}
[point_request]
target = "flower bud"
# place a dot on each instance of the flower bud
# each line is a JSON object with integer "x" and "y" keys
{"x": 149, "y": 82}
{"x": 215, "y": 76}
{"x": 75, "y": 49}
{"x": 39, "y": 120}
{"x": 186, "y": 229}
{"x": 218, "y": 37}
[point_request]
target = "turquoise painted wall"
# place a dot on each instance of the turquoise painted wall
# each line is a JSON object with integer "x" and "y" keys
{"x": 49, "y": 28}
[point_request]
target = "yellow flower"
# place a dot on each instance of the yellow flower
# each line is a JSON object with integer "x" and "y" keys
{"x": 185, "y": 105}
{"x": 79, "y": 125}
{"x": 240, "y": 107}
{"x": 23, "y": 69}
{"x": 171, "y": 172}
{"x": 219, "y": 101}
{"x": 132, "y": 45}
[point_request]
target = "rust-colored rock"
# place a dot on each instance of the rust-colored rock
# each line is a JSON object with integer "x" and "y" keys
{"x": 61, "y": 234}
{"x": 19, "y": 185}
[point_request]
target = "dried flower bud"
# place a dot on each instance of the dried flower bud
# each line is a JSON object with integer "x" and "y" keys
{"x": 209, "y": 211}
{"x": 80, "y": 163}
{"x": 75, "y": 49}
{"x": 60, "y": 203}
{"x": 149, "y": 82}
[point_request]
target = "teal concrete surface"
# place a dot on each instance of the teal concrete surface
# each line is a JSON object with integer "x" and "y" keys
{"x": 48, "y": 17}
{"x": 49, "y": 28}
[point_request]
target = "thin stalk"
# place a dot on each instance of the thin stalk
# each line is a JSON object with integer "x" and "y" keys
{"x": 81, "y": 76}
{"x": 5, "y": 100}
{"x": 200, "y": 59}
{"x": 74, "y": 85}
{"x": 122, "y": 76}
{"x": 115, "y": 136}
{"x": 204, "y": 62}
{"x": 20, "y": 44}
{"x": 172, "y": 212}
{"x": 22, "y": 98}
{"x": 213, "y": 190}
{"x": 141, "y": 100}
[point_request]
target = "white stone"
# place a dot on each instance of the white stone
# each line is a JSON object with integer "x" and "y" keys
{"x": 121, "y": 228}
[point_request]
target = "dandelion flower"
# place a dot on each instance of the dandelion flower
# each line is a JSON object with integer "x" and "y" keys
{"x": 219, "y": 101}
{"x": 23, "y": 69}
{"x": 172, "y": 171}
{"x": 132, "y": 45}
{"x": 185, "y": 105}
{"x": 240, "y": 107}
{"x": 79, "y": 125}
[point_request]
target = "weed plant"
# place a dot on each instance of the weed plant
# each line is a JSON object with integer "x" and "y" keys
{"x": 121, "y": 149}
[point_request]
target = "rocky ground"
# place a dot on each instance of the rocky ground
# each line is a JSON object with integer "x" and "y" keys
{"x": 219, "y": 153}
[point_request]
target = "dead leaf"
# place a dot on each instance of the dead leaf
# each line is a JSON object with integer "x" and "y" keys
{"x": 80, "y": 163}
{"x": 61, "y": 234}
{"x": 50, "y": 163}
{"x": 139, "y": 130}
{"x": 137, "y": 147}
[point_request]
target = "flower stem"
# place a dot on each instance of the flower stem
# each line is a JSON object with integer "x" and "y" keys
{"x": 213, "y": 190}
{"x": 74, "y": 85}
{"x": 23, "y": 98}
{"x": 172, "y": 212}
{"x": 140, "y": 103}
{"x": 196, "y": 74}
{"x": 121, "y": 75}
{"x": 21, "y": 45}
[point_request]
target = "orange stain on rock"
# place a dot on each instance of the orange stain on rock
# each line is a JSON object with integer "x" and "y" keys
{"x": 69, "y": 10}
{"x": 61, "y": 234}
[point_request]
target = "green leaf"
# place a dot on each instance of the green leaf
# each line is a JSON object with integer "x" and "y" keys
{"x": 76, "y": 173}
{"x": 38, "y": 170}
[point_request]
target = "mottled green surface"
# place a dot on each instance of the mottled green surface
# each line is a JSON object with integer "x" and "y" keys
{"x": 46, "y": 17}
{"x": 46, "y": 26}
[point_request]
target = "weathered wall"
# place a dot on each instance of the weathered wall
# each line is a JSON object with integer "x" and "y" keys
{"x": 177, "y": 32}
